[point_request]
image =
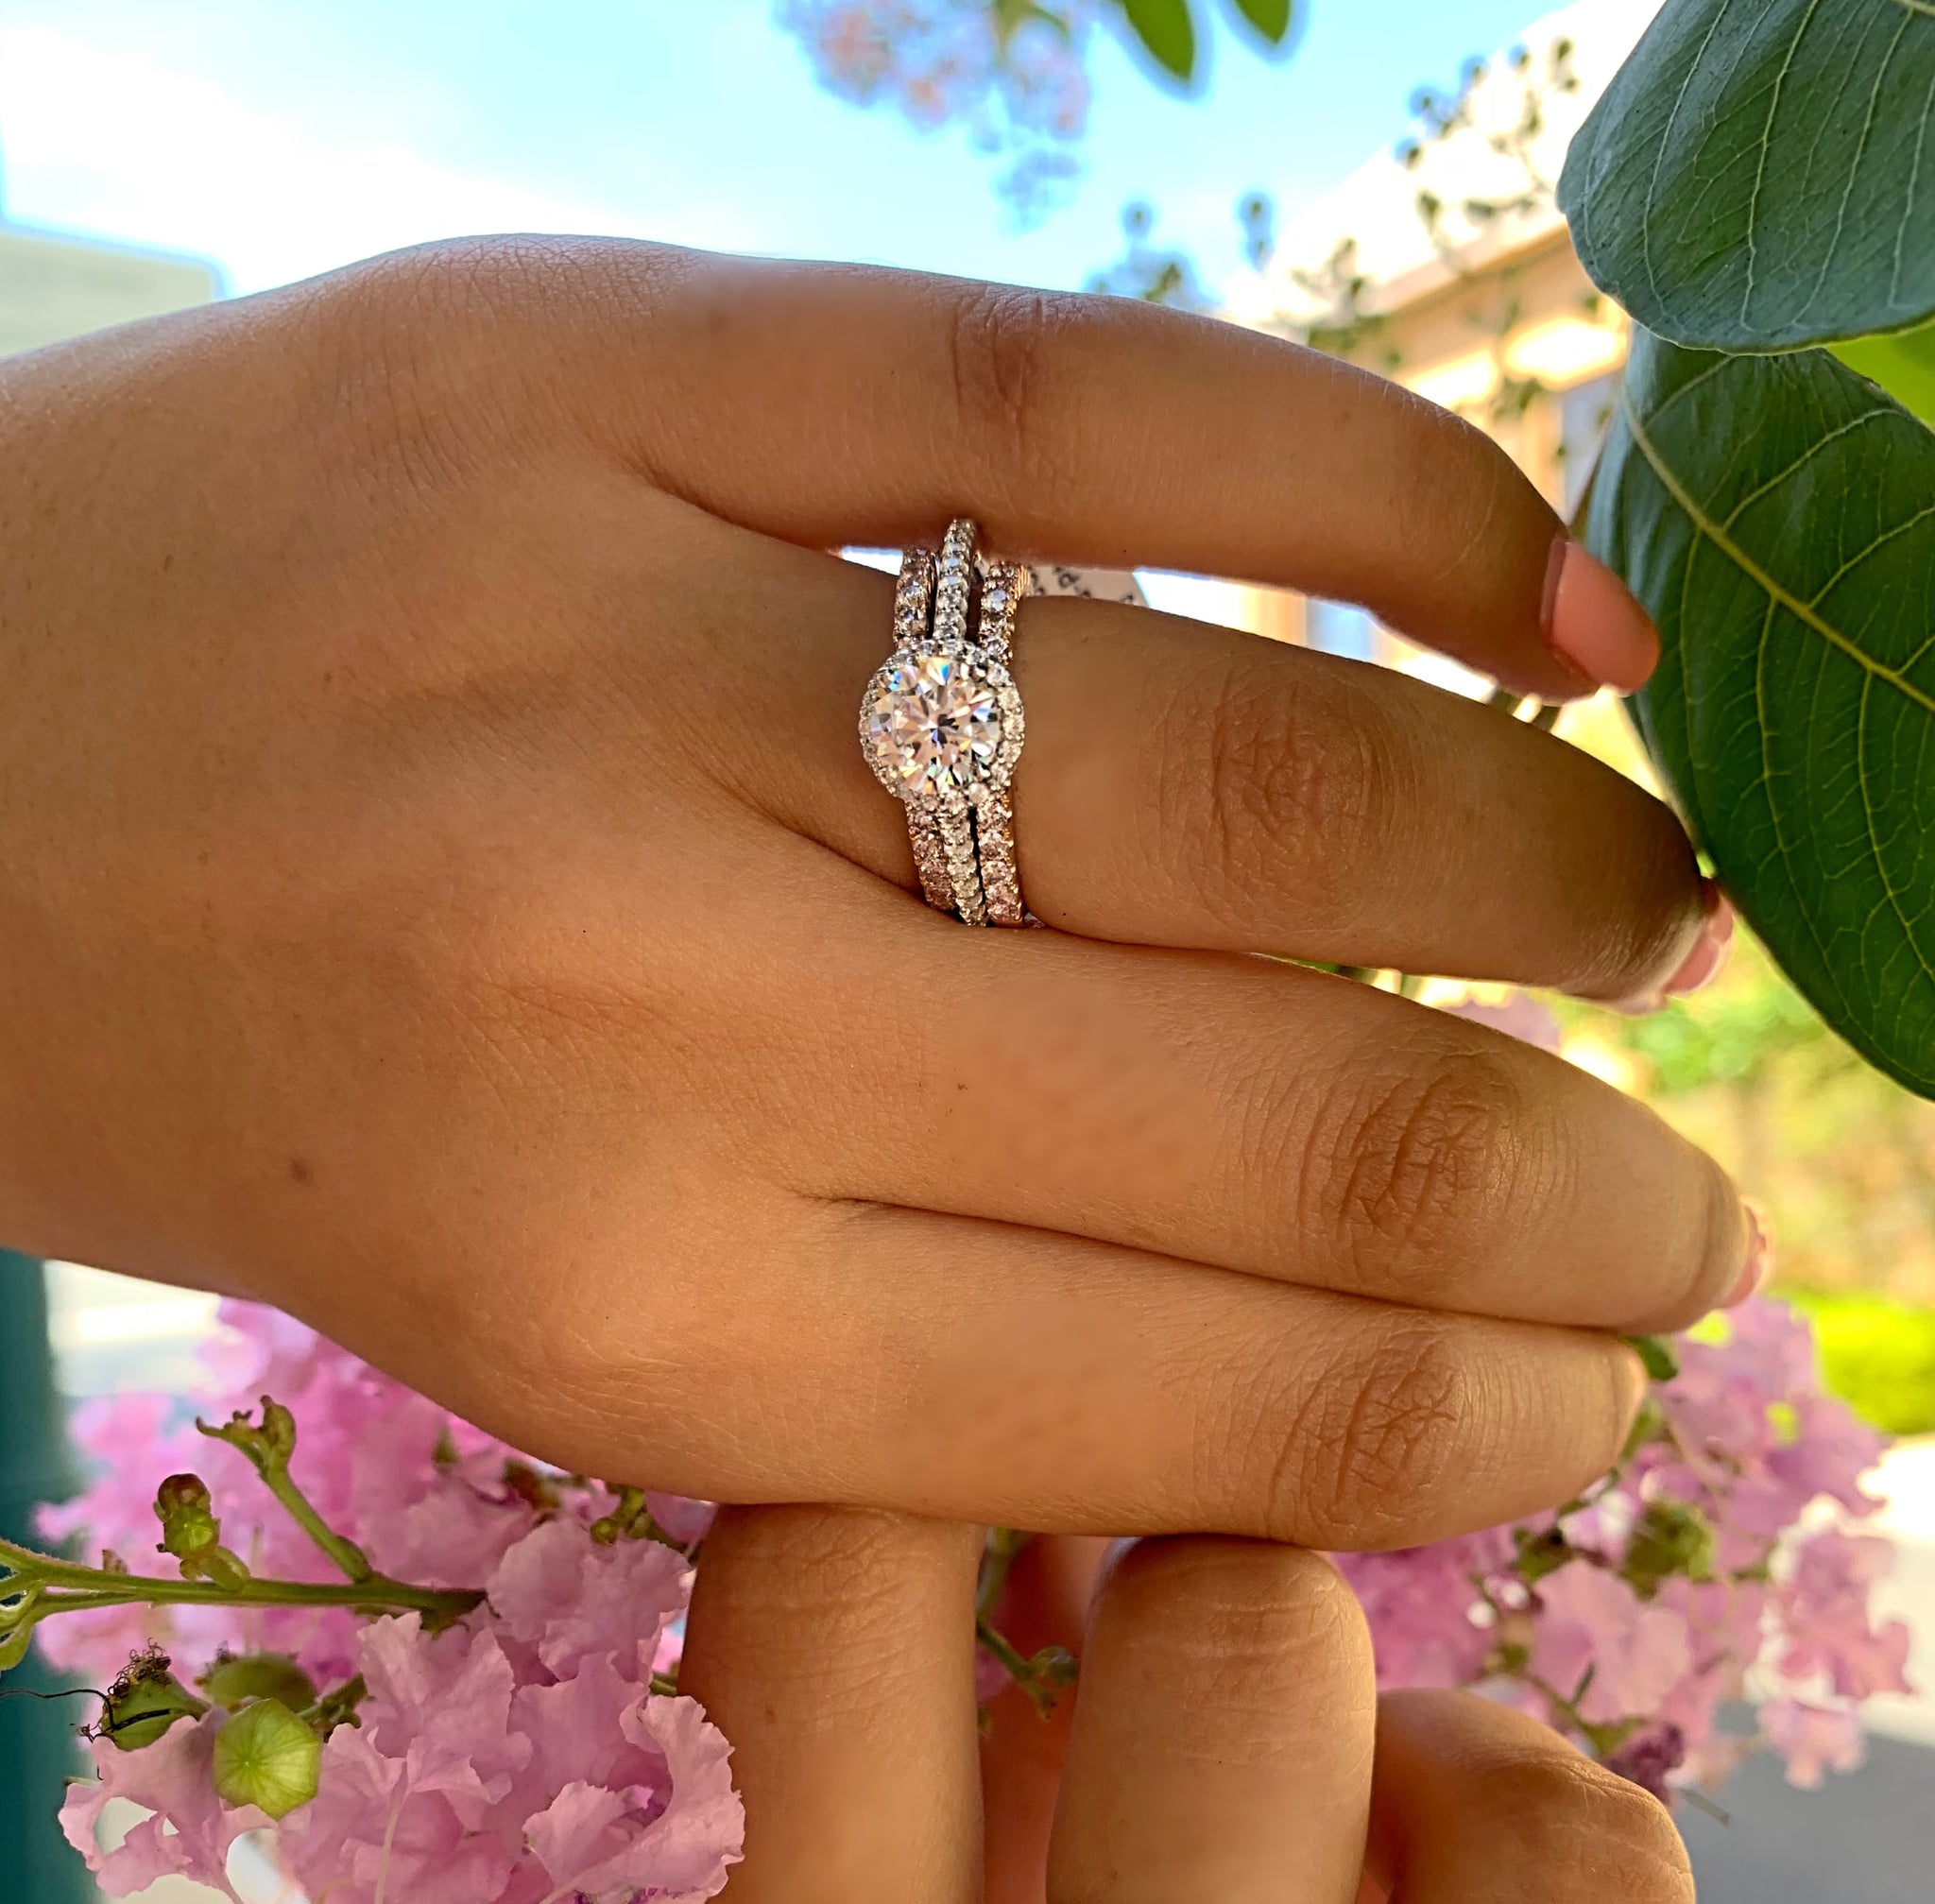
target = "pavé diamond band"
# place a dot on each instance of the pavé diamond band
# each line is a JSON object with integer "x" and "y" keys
{"x": 941, "y": 726}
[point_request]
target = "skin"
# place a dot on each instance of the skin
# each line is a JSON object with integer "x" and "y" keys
{"x": 1226, "y": 1743}
{"x": 443, "y": 896}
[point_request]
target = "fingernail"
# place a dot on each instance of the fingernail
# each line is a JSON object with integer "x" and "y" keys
{"x": 1759, "y": 1264}
{"x": 1704, "y": 964}
{"x": 1594, "y": 624}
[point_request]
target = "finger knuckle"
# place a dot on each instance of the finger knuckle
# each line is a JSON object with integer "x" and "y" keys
{"x": 1284, "y": 785}
{"x": 427, "y": 357}
{"x": 1582, "y": 1826}
{"x": 1240, "y": 1623}
{"x": 1368, "y": 1456}
{"x": 1450, "y": 492}
{"x": 1422, "y": 1164}
{"x": 1002, "y": 343}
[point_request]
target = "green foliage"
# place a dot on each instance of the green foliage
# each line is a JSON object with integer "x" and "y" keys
{"x": 1774, "y": 515}
{"x": 1168, "y": 32}
{"x": 1754, "y": 177}
{"x": 1271, "y": 18}
{"x": 1878, "y": 1355}
{"x": 1903, "y": 365}
{"x": 1655, "y": 1353}
{"x": 1730, "y": 1035}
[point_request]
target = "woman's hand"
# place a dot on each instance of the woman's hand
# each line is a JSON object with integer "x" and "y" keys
{"x": 1227, "y": 1744}
{"x": 442, "y": 894}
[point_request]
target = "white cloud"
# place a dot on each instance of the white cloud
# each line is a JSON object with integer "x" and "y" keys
{"x": 118, "y": 144}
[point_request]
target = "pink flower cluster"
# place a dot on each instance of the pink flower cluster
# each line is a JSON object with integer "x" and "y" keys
{"x": 1718, "y": 1566}
{"x": 522, "y": 1754}
{"x": 1017, "y": 77}
{"x": 519, "y": 1757}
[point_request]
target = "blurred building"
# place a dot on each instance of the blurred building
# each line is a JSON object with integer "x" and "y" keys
{"x": 1444, "y": 264}
{"x": 53, "y": 285}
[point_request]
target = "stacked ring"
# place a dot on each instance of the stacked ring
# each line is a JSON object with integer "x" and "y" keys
{"x": 941, "y": 726}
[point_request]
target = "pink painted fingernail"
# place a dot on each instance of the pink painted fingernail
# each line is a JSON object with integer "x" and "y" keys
{"x": 1704, "y": 964}
{"x": 1594, "y": 624}
{"x": 1759, "y": 1264}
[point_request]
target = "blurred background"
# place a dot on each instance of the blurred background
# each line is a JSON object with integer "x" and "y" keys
{"x": 1365, "y": 185}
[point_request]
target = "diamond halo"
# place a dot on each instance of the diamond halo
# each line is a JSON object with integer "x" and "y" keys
{"x": 941, "y": 725}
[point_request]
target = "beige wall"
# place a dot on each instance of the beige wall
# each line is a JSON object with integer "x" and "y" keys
{"x": 1467, "y": 344}
{"x": 53, "y": 288}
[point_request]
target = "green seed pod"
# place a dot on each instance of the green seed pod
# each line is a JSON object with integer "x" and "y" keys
{"x": 234, "y": 1679}
{"x": 266, "y": 1757}
{"x": 144, "y": 1702}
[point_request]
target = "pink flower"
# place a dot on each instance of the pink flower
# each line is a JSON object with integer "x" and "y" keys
{"x": 1519, "y": 1016}
{"x": 522, "y": 1752}
{"x": 673, "y": 1835}
{"x": 188, "y": 1830}
{"x": 1421, "y": 1604}
{"x": 571, "y": 1598}
{"x": 1594, "y": 1630}
{"x": 1812, "y": 1740}
{"x": 1824, "y": 1613}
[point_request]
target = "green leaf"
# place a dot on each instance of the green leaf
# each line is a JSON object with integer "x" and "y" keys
{"x": 1760, "y": 174}
{"x": 1777, "y": 516}
{"x": 1165, "y": 27}
{"x": 1903, "y": 365}
{"x": 1655, "y": 1355}
{"x": 1010, "y": 16}
{"x": 1271, "y": 18}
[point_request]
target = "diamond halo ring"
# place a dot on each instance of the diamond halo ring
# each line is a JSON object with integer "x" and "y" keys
{"x": 941, "y": 726}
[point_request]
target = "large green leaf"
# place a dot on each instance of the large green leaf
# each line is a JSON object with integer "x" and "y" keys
{"x": 1760, "y": 174}
{"x": 1778, "y": 516}
{"x": 1271, "y": 18}
{"x": 1902, "y": 363}
{"x": 1166, "y": 28}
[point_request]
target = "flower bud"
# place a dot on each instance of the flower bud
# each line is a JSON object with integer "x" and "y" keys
{"x": 269, "y": 1443}
{"x": 278, "y": 1430}
{"x": 193, "y": 1534}
{"x": 267, "y": 1758}
{"x": 187, "y": 1515}
{"x": 234, "y": 1679}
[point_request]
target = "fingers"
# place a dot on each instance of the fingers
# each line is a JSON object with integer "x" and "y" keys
{"x": 1474, "y": 1802}
{"x": 835, "y": 1649}
{"x": 1190, "y": 785}
{"x": 1222, "y": 1747}
{"x": 831, "y": 405}
{"x": 977, "y": 1372}
{"x": 1200, "y": 787}
{"x": 1259, "y": 1117}
{"x": 1050, "y": 1587}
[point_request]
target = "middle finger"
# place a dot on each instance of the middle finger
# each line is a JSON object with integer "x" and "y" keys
{"x": 1185, "y": 784}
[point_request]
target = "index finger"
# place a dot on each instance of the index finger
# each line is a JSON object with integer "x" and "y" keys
{"x": 833, "y": 404}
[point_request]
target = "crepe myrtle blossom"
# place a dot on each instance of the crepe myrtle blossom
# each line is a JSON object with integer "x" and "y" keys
{"x": 1015, "y": 75}
{"x": 412, "y": 1662}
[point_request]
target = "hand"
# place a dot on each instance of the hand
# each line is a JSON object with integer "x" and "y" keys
{"x": 1227, "y": 1744}
{"x": 442, "y": 895}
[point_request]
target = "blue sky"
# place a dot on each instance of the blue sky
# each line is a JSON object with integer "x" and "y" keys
{"x": 281, "y": 137}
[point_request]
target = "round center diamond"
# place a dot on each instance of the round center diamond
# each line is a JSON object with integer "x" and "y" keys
{"x": 933, "y": 722}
